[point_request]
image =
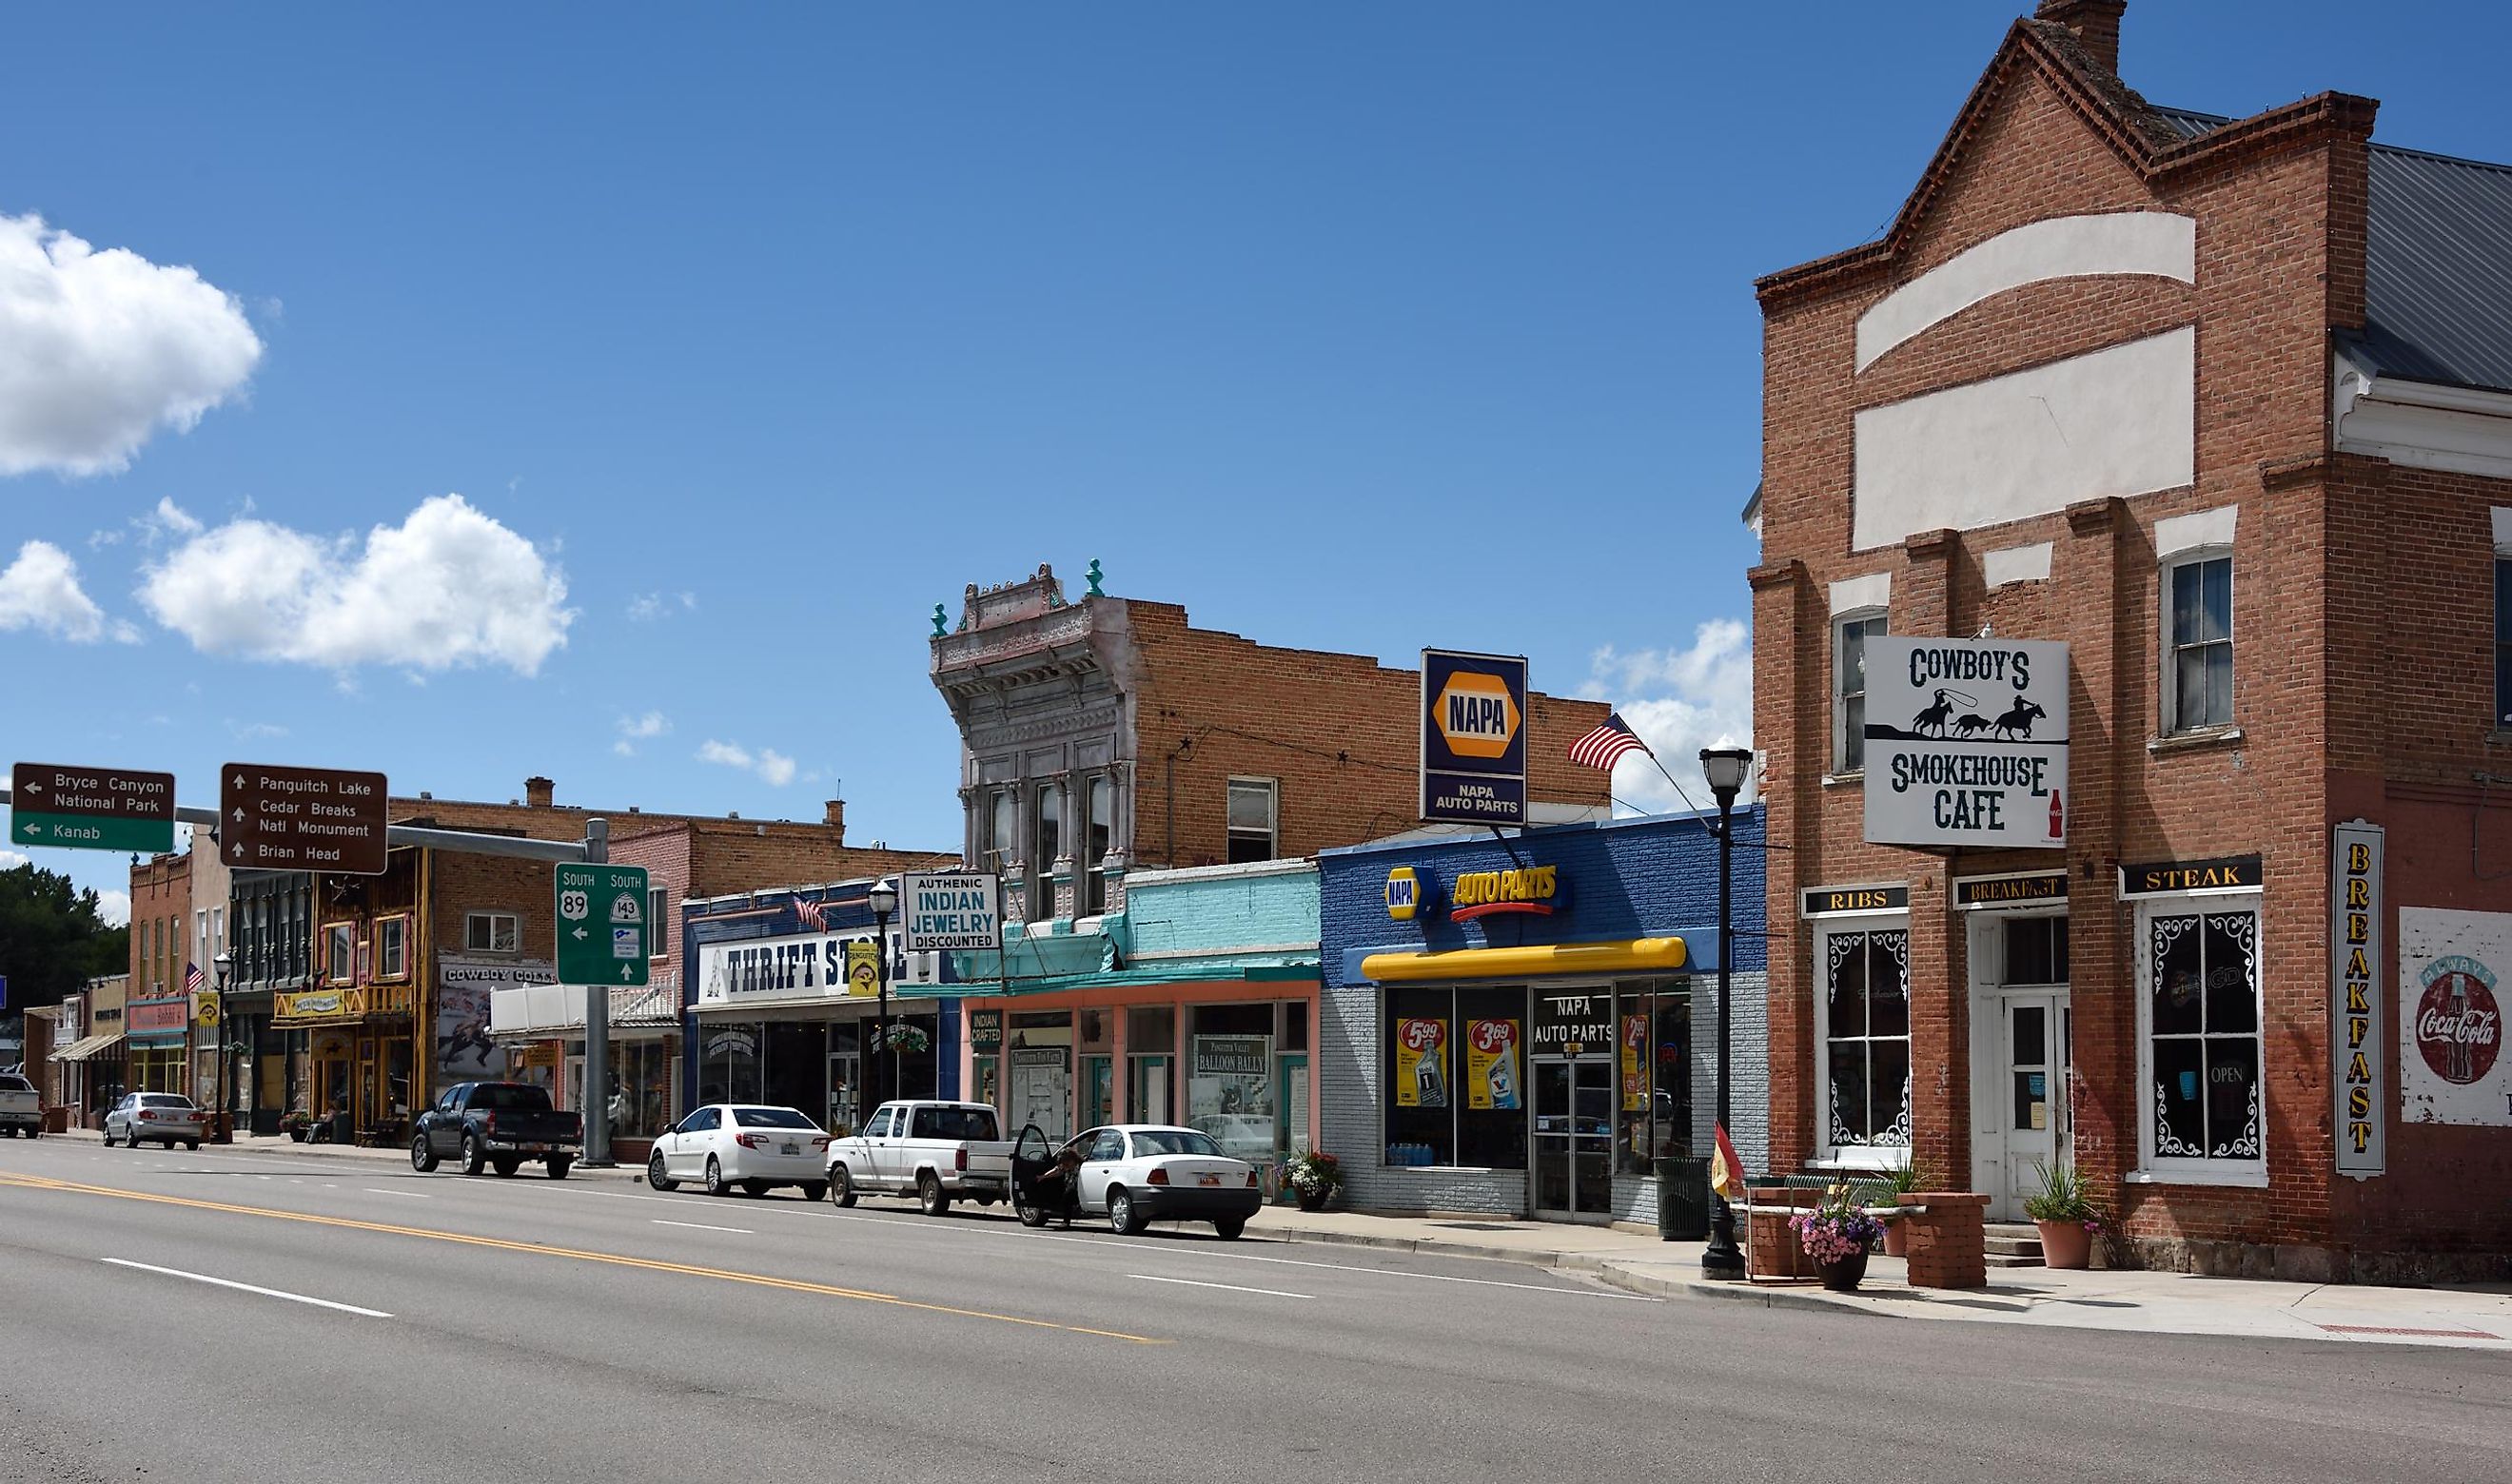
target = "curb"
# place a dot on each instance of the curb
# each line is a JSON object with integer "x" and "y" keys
{"x": 1733, "y": 1293}
{"x": 1559, "y": 1262}
{"x": 348, "y": 1154}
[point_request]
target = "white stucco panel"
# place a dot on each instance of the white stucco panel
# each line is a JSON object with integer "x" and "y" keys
{"x": 2502, "y": 530}
{"x": 2157, "y": 244}
{"x": 1871, "y": 591}
{"x": 2118, "y": 421}
{"x": 2017, "y": 563}
{"x": 2196, "y": 531}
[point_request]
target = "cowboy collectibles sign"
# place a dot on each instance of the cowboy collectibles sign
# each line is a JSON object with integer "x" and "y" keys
{"x": 1966, "y": 742}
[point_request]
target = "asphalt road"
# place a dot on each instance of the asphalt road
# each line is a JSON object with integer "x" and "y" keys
{"x": 526, "y": 1330}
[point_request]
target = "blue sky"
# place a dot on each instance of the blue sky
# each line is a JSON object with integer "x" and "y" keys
{"x": 762, "y": 333}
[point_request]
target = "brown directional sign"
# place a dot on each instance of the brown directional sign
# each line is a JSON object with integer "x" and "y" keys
{"x": 301, "y": 819}
{"x": 90, "y": 809}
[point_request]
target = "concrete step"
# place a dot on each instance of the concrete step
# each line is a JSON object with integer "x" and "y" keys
{"x": 2011, "y": 1260}
{"x": 2013, "y": 1246}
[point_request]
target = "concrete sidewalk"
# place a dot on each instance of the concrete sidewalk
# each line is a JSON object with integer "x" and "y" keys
{"x": 280, "y": 1143}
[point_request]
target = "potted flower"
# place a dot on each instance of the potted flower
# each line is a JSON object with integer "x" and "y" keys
{"x": 1836, "y": 1234}
{"x": 1900, "y": 1183}
{"x": 294, "y": 1123}
{"x": 1313, "y": 1177}
{"x": 2065, "y": 1218}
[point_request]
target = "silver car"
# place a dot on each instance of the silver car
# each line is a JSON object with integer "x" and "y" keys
{"x": 168, "y": 1117}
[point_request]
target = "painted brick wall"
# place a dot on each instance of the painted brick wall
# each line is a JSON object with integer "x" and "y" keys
{"x": 1221, "y": 907}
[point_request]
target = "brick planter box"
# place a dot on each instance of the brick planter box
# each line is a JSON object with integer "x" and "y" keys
{"x": 1774, "y": 1251}
{"x": 1947, "y": 1239}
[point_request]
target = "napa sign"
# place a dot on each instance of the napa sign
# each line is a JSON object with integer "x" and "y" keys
{"x": 1473, "y": 738}
{"x": 951, "y": 911}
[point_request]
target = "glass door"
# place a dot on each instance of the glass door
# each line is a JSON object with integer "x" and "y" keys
{"x": 1150, "y": 1091}
{"x": 1574, "y": 1136}
{"x": 2033, "y": 1094}
{"x": 844, "y": 1078}
{"x": 1098, "y": 1091}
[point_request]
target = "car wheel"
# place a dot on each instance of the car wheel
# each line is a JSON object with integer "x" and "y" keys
{"x": 1030, "y": 1212}
{"x": 816, "y": 1191}
{"x": 191, "y": 1146}
{"x": 506, "y": 1167}
{"x": 754, "y": 1188}
{"x": 558, "y": 1168}
{"x": 654, "y": 1176}
{"x": 1227, "y": 1228}
{"x": 714, "y": 1185}
{"x": 1124, "y": 1216}
{"x": 422, "y": 1155}
{"x": 930, "y": 1195}
{"x": 475, "y": 1158}
{"x": 842, "y": 1186}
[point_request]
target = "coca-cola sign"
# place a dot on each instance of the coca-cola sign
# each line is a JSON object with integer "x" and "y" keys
{"x": 2452, "y": 1066}
{"x": 2459, "y": 1027}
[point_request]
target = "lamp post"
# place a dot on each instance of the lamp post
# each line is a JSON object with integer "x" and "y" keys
{"x": 1726, "y": 769}
{"x": 224, "y": 963}
{"x": 884, "y": 901}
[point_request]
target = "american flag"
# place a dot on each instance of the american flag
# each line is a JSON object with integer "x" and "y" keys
{"x": 1605, "y": 746}
{"x": 192, "y": 980}
{"x": 814, "y": 914}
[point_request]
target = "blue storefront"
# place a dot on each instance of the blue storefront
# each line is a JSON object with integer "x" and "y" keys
{"x": 768, "y": 1014}
{"x": 1523, "y": 1024}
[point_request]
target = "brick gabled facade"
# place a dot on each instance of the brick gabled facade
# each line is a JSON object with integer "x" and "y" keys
{"x": 2101, "y": 359}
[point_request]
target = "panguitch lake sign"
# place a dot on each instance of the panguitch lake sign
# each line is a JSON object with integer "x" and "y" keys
{"x": 1967, "y": 742}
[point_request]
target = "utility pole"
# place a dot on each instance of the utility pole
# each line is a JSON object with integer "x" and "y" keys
{"x": 597, "y": 1031}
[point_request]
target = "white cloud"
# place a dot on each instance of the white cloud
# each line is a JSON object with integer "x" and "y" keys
{"x": 646, "y": 607}
{"x": 1679, "y": 701}
{"x": 98, "y": 350}
{"x": 10, "y": 860}
{"x": 634, "y": 729}
{"x": 447, "y": 586}
{"x": 255, "y": 732}
{"x": 41, "y": 591}
{"x": 768, "y": 763}
{"x": 113, "y": 906}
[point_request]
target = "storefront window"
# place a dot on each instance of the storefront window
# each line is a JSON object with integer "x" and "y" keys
{"x": 1230, "y": 1078}
{"x": 1653, "y": 1073}
{"x": 1039, "y": 1058}
{"x": 2202, "y": 1027}
{"x": 1866, "y": 1037}
{"x": 641, "y": 1088}
{"x": 1150, "y": 1037}
{"x": 728, "y": 1063}
{"x": 1456, "y": 1072}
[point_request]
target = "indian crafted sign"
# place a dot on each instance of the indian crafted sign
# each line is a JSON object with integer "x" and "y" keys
{"x": 1473, "y": 738}
{"x": 1966, "y": 742}
{"x": 952, "y": 911}
{"x": 302, "y": 819}
{"x": 602, "y": 926}
{"x": 90, "y": 809}
{"x": 2355, "y": 992}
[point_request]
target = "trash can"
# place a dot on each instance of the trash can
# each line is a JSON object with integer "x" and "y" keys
{"x": 1683, "y": 1201}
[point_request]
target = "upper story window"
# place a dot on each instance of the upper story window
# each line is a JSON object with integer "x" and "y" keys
{"x": 1850, "y": 633}
{"x": 1255, "y": 811}
{"x": 1047, "y": 843}
{"x": 1098, "y": 833}
{"x": 492, "y": 932}
{"x": 659, "y": 921}
{"x": 2198, "y": 643}
{"x": 2503, "y": 642}
{"x": 392, "y": 948}
{"x": 340, "y": 953}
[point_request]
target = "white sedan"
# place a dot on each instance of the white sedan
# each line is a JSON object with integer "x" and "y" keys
{"x": 744, "y": 1146}
{"x": 168, "y": 1117}
{"x": 1140, "y": 1173}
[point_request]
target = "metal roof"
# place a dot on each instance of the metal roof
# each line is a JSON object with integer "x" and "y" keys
{"x": 2438, "y": 263}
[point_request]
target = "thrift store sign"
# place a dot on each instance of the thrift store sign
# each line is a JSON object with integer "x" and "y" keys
{"x": 1966, "y": 742}
{"x": 2355, "y": 964}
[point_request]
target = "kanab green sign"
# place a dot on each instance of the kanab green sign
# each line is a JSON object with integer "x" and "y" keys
{"x": 90, "y": 809}
{"x": 602, "y": 931}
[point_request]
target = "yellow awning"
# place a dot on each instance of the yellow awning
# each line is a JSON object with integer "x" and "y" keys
{"x": 1552, "y": 961}
{"x": 88, "y": 1048}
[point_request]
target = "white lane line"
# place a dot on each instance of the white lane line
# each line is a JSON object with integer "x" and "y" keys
{"x": 267, "y": 1293}
{"x": 410, "y": 1194}
{"x": 703, "y": 1227}
{"x": 1270, "y": 1293}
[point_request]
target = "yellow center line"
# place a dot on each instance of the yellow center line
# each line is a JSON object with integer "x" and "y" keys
{"x": 538, "y": 1249}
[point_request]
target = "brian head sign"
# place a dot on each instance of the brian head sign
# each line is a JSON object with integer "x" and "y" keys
{"x": 1966, "y": 742}
{"x": 952, "y": 910}
{"x": 1473, "y": 738}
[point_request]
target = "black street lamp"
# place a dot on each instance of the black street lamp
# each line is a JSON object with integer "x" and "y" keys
{"x": 224, "y": 963}
{"x": 884, "y": 901}
{"x": 1726, "y": 769}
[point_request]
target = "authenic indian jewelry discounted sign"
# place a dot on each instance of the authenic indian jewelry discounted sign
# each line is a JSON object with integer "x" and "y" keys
{"x": 951, "y": 911}
{"x": 1966, "y": 742}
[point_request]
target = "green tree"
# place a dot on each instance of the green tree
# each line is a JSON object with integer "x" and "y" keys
{"x": 52, "y": 938}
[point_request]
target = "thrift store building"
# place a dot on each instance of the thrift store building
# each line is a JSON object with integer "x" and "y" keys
{"x": 2137, "y": 526}
{"x": 1523, "y": 1024}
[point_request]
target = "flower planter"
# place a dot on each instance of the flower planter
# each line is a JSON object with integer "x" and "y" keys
{"x": 1845, "y": 1275}
{"x": 1313, "y": 1200}
{"x": 2065, "y": 1243}
{"x": 1897, "y": 1237}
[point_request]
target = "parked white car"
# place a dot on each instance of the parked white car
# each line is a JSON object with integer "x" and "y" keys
{"x": 936, "y": 1152}
{"x": 744, "y": 1146}
{"x": 1139, "y": 1173}
{"x": 21, "y": 1108}
{"x": 167, "y": 1117}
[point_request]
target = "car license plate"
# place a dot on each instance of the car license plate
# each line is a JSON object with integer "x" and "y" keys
{"x": 792, "y": 1148}
{"x": 1208, "y": 1180}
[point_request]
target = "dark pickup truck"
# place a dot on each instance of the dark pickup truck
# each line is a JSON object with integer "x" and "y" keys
{"x": 497, "y": 1126}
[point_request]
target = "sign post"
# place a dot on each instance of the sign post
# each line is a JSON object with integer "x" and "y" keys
{"x": 1966, "y": 742}
{"x": 1473, "y": 738}
{"x": 303, "y": 819}
{"x": 90, "y": 809}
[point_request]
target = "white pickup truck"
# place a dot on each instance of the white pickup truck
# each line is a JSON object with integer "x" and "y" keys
{"x": 938, "y": 1151}
{"x": 21, "y": 1108}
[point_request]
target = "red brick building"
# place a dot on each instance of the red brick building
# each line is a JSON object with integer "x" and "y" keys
{"x": 158, "y": 1014}
{"x": 2225, "y": 407}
